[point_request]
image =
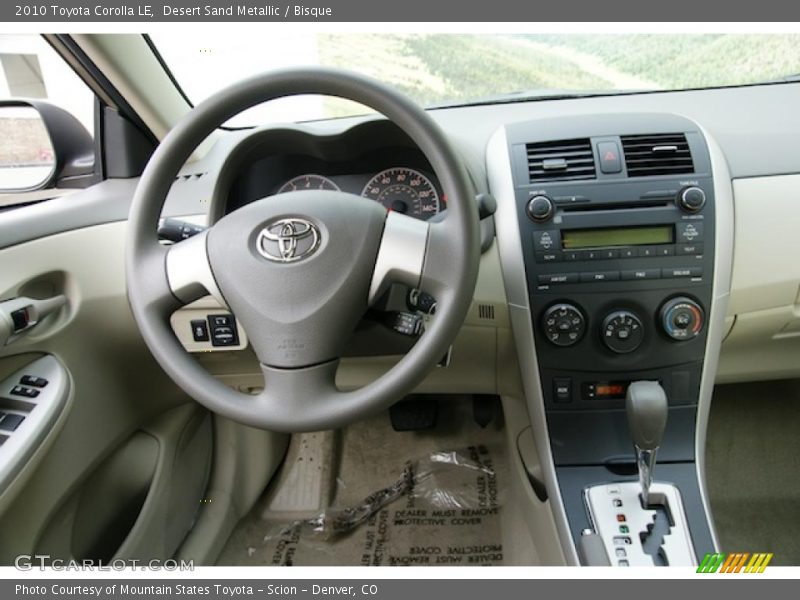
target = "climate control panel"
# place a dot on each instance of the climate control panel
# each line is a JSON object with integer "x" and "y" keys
{"x": 622, "y": 330}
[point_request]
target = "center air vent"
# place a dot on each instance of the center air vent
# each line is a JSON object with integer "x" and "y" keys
{"x": 563, "y": 160}
{"x": 657, "y": 154}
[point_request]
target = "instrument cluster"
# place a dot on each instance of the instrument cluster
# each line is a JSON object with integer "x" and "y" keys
{"x": 400, "y": 189}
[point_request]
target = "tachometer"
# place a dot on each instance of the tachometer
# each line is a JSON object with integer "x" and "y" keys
{"x": 308, "y": 182}
{"x": 405, "y": 191}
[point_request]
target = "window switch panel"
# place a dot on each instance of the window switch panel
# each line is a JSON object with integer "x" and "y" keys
{"x": 25, "y": 392}
{"x": 31, "y": 380}
{"x": 10, "y": 422}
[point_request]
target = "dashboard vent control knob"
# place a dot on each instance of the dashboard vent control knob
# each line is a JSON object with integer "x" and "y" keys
{"x": 563, "y": 324}
{"x": 540, "y": 208}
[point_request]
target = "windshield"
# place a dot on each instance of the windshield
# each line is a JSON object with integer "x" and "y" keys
{"x": 447, "y": 69}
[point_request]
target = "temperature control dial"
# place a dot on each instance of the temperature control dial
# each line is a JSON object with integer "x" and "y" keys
{"x": 563, "y": 324}
{"x": 681, "y": 318}
{"x": 622, "y": 331}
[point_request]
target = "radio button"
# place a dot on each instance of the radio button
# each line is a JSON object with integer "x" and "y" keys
{"x": 546, "y": 257}
{"x": 556, "y": 278}
{"x": 590, "y": 255}
{"x": 600, "y": 276}
{"x": 609, "y": 253}
{"x": 685, "y": 272}
{"x": 571, "y": 255}
{"x": 689, "y": 232}
{"x": 641, "y": 274}
{"x": 547, "y": 241}
{"x": 665, "y": 250}
{"x": 628, "y": 253}
{"x": 690, "y": 249}
{"x": 647, "y": 251}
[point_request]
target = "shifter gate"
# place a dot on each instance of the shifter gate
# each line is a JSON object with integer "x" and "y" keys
{"x": 635, "y": 535}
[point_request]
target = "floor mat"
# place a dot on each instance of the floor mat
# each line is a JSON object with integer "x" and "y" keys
{"x": 752, "y": 465}
{"x": 384, "y": 498}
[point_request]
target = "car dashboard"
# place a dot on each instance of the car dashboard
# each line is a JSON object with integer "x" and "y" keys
{"x": 373, "y": 160}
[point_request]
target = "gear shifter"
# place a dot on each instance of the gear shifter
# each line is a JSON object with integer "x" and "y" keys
{"x": 646, "y": 405}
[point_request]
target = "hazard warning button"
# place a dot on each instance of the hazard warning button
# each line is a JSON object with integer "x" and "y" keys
{"x": 610, "y": 161}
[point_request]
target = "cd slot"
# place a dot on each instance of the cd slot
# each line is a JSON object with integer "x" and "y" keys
{"x": 626, "y": 205}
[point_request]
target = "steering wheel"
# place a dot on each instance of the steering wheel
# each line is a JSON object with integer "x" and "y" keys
{"x": 299, "y": 270}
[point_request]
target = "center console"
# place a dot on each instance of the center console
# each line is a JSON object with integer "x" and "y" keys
{"x": 609, "y": 232}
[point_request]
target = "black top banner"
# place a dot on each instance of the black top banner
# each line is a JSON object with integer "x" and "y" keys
{"x": 438, "y": 11}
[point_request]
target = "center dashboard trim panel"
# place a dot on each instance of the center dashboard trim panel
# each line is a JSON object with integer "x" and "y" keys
{"x": 500, "y": 174}
{"x": 509, "y": 244}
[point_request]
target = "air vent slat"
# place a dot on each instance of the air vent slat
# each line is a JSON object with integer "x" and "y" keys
{"x": 560, "y": 160}
{"x": 657, "y": 154}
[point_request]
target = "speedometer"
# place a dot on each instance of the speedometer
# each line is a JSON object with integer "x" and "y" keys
{"x": 308, "y": 182}
{"x": 405, "y": 191}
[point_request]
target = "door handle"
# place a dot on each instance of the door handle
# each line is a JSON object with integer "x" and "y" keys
{"x": 19, "y": 315}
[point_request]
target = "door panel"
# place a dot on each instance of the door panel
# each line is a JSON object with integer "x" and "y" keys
{"x": 117, "y": 391}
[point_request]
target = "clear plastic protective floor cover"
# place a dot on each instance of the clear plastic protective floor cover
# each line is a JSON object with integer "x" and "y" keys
{"x": 442, "y": 508}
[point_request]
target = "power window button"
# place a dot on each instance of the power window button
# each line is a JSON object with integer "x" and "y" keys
{"x": 38, "y": 382}
{"x": 25, "y": 392}
{"x": 10, "y": 422}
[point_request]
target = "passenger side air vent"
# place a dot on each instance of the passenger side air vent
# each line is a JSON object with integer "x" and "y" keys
{"x": 562, "y": 160}
{"x": 657, "y": 154}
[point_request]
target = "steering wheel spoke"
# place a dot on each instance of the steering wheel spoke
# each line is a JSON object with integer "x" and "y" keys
{"x": 401, "y": 254}
{"x": 289, "y": 391}
{"x": 189, "y": 271}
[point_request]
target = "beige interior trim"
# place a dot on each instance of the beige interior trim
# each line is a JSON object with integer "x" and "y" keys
{"x": 15, "y": 198}
{"x": 764, "y": 341}
{"x": 130, "y": 66}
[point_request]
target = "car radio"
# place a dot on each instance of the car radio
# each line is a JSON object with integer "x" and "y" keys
{"x": 619, "y": 235}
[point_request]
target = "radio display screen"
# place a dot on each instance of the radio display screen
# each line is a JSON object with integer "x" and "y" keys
{"x": 576, "y": 239}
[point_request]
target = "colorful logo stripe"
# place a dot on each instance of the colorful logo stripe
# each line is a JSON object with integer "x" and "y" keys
{"x": 736, "y": 562}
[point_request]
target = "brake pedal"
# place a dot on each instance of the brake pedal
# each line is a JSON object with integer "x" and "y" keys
{"x": 414, "y": 414}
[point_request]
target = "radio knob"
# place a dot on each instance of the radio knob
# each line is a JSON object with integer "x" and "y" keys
{"x": 681, "y": 318}
{"x": 622, "y": 331}
{"x": 540, "y": 208}
{"x": 563, "y": 324}
{"x": 691, "y": 199}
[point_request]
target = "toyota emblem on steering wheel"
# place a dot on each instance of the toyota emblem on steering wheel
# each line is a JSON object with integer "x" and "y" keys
{"x": 288, "y": 240}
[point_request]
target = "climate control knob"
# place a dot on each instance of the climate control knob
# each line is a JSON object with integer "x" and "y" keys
{"x": 622, "y": 331}
{"x": 691, "y": 199}
{"x": 563, "y": 324}
{"x": 681, "y": 318}
{"x": 540, "y": 208}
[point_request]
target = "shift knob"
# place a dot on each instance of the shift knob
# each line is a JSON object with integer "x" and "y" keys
{"x": 646, "y": 405}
